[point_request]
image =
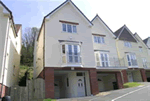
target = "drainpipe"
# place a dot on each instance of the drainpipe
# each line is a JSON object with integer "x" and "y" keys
{"x": 122, "y": 77}
{"x": 4, "y": 60}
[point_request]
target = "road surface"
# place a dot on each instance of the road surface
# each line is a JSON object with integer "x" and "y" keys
{"x": 141, "y": 93}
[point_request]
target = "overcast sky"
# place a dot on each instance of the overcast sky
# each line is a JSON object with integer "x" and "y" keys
{"x": 115, "y": 13}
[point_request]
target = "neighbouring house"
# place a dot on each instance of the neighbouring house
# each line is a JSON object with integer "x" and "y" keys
{"x": 133, "y": 52}
{"x": 77, "y": 57}
{"x": 147, "y": 42}
{"x": 10, "y": 50}
{"x": 108, "y": 66}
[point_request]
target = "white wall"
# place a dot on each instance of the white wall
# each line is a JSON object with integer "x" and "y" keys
{"x": 110, "y": 44}
{"x": 12, "y": 59}
{"x": 71, "y": 90}
{"x": 3, "y": 27}
{"x": 53, "y": 33}
{"x": 12, "y": 53}
{"x": 38, "y": 54}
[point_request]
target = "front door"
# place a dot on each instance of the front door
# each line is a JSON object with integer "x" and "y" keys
{"x": 100, "y": 85}
{"x": 130, "y": 77}
{"x": 80, "y": 87}
{"x": 57, "y": 90}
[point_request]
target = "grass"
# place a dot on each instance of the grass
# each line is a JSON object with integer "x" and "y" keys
{"x": 131, "y": 84}
{"x": 49, "y": 100}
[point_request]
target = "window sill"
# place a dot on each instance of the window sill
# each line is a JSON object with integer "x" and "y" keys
{"x": 100, "y": 43}
{"x": 69, "y": 32}
{"x": 71, "y": 65}
{"x": 133, "y": 67}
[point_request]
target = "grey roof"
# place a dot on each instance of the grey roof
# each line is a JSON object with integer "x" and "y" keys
{"x": 145, "y": 40}
{"x": 125, "y": 34}
{"x": 10, "y": 14}
{"x": 118, "y": 31}
{"x": 140, "y": 39}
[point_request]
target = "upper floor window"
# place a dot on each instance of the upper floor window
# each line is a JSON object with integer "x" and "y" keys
{"x": 127, "y": 44}
{"x": 140, "y": 49}
{"x": 144, "y": 62}
{"x": 71, "y": 53}
{"x": 99, "y": 39}
{"x": 70, "y": 28}
{"x": 102, "y": 59}
{"x": 131, "y": 57}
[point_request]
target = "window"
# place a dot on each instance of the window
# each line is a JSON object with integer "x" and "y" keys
{"x": 104, "y": 59}
{"x": 64, "y": 27}
{"x": 74, "y": 29}
{"x": 98, "y": 39}
{"x": 127, "y": 44}
{"x": 144, "y": 63}
{"x": 79, "y": 74}
{"x": 71, "y": 53}
{"x": 140, "y": 49}
{"x": 131, "y": 59}
{"x": 70, "y": 28}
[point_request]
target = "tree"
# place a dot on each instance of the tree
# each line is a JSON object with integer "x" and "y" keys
{"x": 28, "y": 39}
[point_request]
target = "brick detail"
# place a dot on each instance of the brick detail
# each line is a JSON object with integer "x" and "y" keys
{"x": 143, "y": 75}
{"x": 124, "y": 74}
{"x": 41, "y": 75}
{"x": 93, "y": 81}
{"x": 119, "y": 80}
{"x": 49, "y": 82}
{"x": 5, "y": 90}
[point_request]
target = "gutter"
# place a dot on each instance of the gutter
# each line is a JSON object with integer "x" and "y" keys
{"x": 44, "y": 51}
{"x": 4, "y": 61}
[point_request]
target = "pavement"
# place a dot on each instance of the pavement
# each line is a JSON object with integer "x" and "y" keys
{"x": 140, "y": 93}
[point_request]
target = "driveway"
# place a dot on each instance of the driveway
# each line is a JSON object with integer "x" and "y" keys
{"x": 141, "y": 93}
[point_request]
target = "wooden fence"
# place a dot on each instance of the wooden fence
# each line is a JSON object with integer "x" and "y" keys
{"x": 34, "y": 91}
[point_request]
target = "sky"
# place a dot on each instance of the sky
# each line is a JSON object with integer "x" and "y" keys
{"x": 115, "y": 13}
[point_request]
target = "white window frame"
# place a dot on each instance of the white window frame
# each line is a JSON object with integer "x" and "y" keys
{"x": 100, "y": 61}
{"x": 100, "y": 41}
{"x": 140, "y": 49}
{"x": 67, "y": 54}
{"x": 132, "y": 56}
{"x": 144, "y": 61}
{"x": 67, "y": 27}
{"x": 104, "y": 53}
{"x": 127, "y": 44}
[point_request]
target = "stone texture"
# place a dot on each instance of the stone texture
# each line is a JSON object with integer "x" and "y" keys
{"x": 143, "y": 74}
{"x": 119, "y": 80}
{"x": 49, "y": 82}
{"x": 93, "y": 82}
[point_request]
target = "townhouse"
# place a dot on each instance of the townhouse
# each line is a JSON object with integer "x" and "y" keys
{"x": 77, "y": 57}
{"x": 10, "y": 50}
{"x": 133, "y": 54}
{"x": 109, "y": 70}
{"x": 147, "y": 42}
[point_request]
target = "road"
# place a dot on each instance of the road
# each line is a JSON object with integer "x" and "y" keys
{"x": 141, "y": 93}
